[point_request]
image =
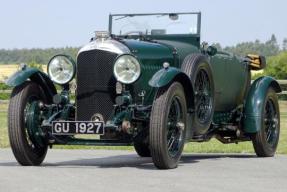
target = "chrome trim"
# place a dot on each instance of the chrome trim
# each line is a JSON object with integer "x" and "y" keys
{"x": 110, "y": 45}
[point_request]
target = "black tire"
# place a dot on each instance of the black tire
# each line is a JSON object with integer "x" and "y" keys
{"x": 26, "y": 151}
{"x": 168, "y": 100}
{"x": 266, "y": 140}
{"x": 197, "y": 66}
{"x": 142, "y": 148}
{"x": 141, "y": 144}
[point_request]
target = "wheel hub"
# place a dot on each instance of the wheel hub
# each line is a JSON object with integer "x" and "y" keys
{"x": 33, "y": 122}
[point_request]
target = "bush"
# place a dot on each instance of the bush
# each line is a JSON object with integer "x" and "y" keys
{"x": 4, "y": 96}
{"x": 282, "y": 97}
{"x": 277, "y": 66}
{"x": 3, "y": 86}
{"x": 36, "y": 65}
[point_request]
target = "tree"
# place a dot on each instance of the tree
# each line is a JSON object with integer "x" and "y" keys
{"x": 268, "y": 48}
{"x": 272, "y": 46}
{"x": 36, "y": 65}
{"x": 284, "y": 44}
{"x": 276, "y": 66}
{"x": 218, "y": 46}
{"x": 40, "y": 56}
{"x": 273, "y": 39}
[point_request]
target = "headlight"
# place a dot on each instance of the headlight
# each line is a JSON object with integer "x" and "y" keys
{"x": 127, "y": 69}
{"x": 61, "y": 69}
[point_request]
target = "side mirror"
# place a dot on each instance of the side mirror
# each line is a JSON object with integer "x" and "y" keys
{"x": 211, "y": 50}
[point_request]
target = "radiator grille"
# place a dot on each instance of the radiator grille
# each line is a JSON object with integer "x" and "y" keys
{"x": 95, "y": 84}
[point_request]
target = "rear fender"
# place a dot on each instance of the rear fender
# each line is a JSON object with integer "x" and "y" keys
{"x": 36, "y": 76}
{"x": 254, "y": 105}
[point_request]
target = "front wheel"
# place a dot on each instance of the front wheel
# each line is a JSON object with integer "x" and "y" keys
{"x": 265, "y": 141}
{"x": 168, "y": 126}
{"x": 27, "y": 143}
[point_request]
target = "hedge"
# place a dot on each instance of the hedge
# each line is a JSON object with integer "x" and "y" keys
{"x": 4, "y": 96}
{"x": 3, "y": 86}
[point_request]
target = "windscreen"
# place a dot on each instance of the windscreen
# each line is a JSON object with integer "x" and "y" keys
{"x": 158, "y": 24}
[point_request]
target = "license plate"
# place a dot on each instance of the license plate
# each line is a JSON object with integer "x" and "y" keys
{"x": 77, "y": 127}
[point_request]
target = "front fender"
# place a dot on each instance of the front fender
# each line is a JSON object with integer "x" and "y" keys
{"x": 254, "y": 105}
{"x": 168, "y": 75}
{"x": 164, "y": 77}
{"x": 20, "y": 76}
{"x": 36, "y": 76}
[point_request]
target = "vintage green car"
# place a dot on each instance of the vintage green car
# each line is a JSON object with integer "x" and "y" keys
{"x": 148, "y": 82}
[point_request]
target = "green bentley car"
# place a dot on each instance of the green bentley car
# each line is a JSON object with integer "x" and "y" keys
{"x": 149, "y": 81}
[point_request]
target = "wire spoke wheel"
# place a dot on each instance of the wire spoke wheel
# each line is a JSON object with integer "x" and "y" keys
{"x": 197, "y": 67}
{"x": 265, "y": 141}
{"x": 24, "y": 121}
{"x": 168, "y": 126}
{"x": 203, "y": 97}
{"x": 271, "y": 123}
{"x": 174, "y": 128}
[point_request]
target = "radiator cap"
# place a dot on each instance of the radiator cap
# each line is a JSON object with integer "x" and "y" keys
{"x": 103, "y": 35}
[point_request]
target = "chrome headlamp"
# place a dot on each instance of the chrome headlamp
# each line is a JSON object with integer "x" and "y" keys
{"x": 127, "y": 69}
{"x": 61, "y": 69}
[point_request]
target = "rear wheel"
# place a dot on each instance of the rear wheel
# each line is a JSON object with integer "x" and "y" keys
{"x": 265, "y": 141}
{"x": 167, "y": 126}
{"x": 24, "y": 122}
{"x": 141, "y": 144}
{"x": 142, "y": 149}
{"x": 197, "y": 67}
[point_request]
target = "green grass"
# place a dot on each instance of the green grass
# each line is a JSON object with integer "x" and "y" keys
{"x": 3, "y": 130}
{"x": 3, "y": 86}
{"x": 212, "y": 146}
{"x": 4, "y": 96}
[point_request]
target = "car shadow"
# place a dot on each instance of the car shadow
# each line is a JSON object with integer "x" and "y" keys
{"x": 131, "y": 160}
{"x": 117, "y": 161}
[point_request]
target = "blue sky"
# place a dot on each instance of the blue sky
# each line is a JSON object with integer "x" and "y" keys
{"x": 59, "y": 23}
